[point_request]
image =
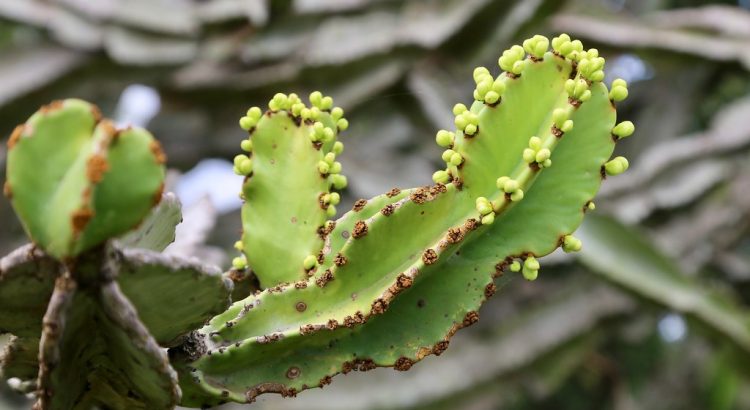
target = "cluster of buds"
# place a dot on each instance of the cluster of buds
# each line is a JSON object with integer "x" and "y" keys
{"x": 529, "y": 268}
{"x": 488, "y": 89}
{"x": 466, "y": 121}
{"x": 535, "y": 153}
{"x": 566, "y": 47}
{"x": 510, "y": 187}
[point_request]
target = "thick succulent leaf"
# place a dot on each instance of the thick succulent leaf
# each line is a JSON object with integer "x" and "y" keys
{"x": 425, "y": 260}
{"x": 171, "y": 295}
{"x": 27, "y": 278}
{"x": 97, "y": 182}
{"x": 285, "y": 170}
{"x": 19, "y": 359}
{"x": 92, "y": 337}
{"x": 158, "y": 230}
{"x": 626, "y": 258}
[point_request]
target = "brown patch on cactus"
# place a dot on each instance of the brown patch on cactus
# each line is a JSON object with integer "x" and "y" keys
{"x": 269, "y": 387}
{"x": 332, "y": 324}
{"x": 379, "y": 306}
{"x": 403, "y": 364}
{"x": 307, "y": 329}
{"x": 364, "y": 365}
{"x": 512, "y": 76}
{"x": 53, "y": 106}
{"x": 273, "y": 337}
{"x": 355, "y": 319}
{"x": 393, "y": 192}
{"x": 471, "y": 318}
{"x": 300, "y": 285}
{"x": 340, "y": 260}
{"x": 360, "y": 229}
{"x": 558, "y": 133}
{"x": 323, "y": 280}
{"x": 388, "y": 210}
{"x": 321, "y": 203}
{"x": 454, "y": 235}
{"x": 429, "y": 256}
{"x": 490, "y": 290}
{"x": 293, "y": 373}
{"x": 359, "y": 205}
{"x": 96, "y": 112}
{"x": 15, "y": 136}
{"x": 501, "y": 266}
{"x": 96, "y": 167}
{"x": 325, "y": 381}
{"x": 419, "y": 196}
{"x": 440, "y": 347}
{"x": 7, "y": 190}
{"x": 470, "y": 225}
{"x": 81, "y": 218}
{"x": 574, "y": 102}
{"x": 404, "y": 282}
{"x": 603, "y": 172}
{"x": 347, "y": 367}
{"x": 458, "y": 183}
{"x": 300, "y": 306}
{"x": 534, "y": 167}
{"x": 438, "y": 189}
{"x": 158, "y": 152}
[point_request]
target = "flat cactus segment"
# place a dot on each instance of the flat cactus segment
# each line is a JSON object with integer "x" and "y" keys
{"x": 375, "y": 259}
{"x": 96, "y": 182}
{"x": 27, "y": 278}
{"x": 290, "y": 171}
{"x": 171, "y": 295}
{"x": 158, "y": 230}
{"x": 393, "y": 286}
{"x": 20, "y": 359}
{"x": 117, "y": 352}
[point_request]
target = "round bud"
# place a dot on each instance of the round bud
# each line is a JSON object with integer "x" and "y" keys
{"x": 624, "y": 129}
{"x": 444, "y": 138}
{"x": 488, "y": 219}
{"x": 246, "y": 123}
{"x": 543, "y": 155}
{"x": 254, "y": 113}
{"x": 501, "y": 182}
{"x": 459, "y": 109}
{"x": 342, "y": 124}
{"x": 441, "y": 177}
{"x": 338, "y": 147}
{"x": 310, "y": 262}
{"x": 516, "y": 195}
{"x": 515, "y": 266}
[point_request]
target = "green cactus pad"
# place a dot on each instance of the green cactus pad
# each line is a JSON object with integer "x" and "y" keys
{"x": 27, "y": 278}
{"x": 118, "y": 356}
{"x": 172, "y": 296}
{"x": 158, "y": 230}
{"x": 287, "y": 189}
{"x": 20, "y": 359}
{"x": 96, "y": 182}
{"x": 522, "y": 167}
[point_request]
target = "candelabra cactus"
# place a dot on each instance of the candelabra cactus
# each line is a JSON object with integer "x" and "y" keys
{"x": 387, "y": 284}
{"x": 89, "y": 318}
{"x": 393, "y": 279}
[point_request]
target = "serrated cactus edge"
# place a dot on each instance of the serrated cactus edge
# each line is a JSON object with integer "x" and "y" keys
{"x": 392, "y": 280}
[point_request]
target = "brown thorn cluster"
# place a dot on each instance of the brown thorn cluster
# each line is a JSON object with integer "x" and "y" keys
{"x": 360, "y": 229}
{"x": 359, "y": 205}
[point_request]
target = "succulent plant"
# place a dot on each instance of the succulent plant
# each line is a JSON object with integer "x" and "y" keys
{"x": 90, "y": 319}
{"x": 385, "y": 285}
{"x": 392, "y": 280}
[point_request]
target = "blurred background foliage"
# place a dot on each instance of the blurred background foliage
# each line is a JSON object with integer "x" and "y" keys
{"x": 653, "y": 314}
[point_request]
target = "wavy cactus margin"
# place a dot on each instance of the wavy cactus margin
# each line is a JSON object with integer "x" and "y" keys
{"x": 392, "y": 280}
{"x": 90, "y": 320}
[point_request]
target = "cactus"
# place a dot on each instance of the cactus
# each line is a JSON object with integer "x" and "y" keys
{"x": 391, "y": 281}
{"x": 385, "y": 285}
{"x": 91, "y": 319}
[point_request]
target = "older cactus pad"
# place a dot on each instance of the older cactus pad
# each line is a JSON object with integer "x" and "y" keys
{"x": 290, "y": 167}
{"x": 401, "y": 273}
{"x": 75, "y": 181}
